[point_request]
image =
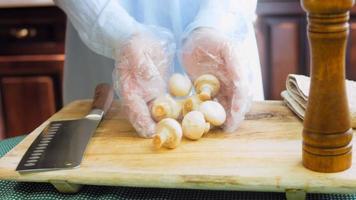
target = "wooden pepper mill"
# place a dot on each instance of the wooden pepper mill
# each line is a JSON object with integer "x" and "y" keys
{"x": 327, "y": 132}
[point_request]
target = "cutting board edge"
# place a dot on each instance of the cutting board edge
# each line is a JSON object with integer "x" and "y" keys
{"x": 184, "y": 182}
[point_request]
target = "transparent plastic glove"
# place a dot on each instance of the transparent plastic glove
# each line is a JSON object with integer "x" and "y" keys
{"x": 207, "y": 51}
{"x": 141, "y": 73}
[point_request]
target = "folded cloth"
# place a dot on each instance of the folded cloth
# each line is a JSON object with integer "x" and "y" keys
{"x": 296, "y": 95}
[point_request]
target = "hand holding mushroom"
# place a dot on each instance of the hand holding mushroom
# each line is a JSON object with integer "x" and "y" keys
{"x": 198, "y": 112}
{"x": 141, "y": 74}
{"x": 207, "y": 51}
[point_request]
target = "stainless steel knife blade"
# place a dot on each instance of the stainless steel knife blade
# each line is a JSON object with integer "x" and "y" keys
{"x": 61, "y": 145}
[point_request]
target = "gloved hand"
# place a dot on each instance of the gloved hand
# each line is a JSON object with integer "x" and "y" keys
{"x": 141, "y": 74}
{"x": 207, "y": 51}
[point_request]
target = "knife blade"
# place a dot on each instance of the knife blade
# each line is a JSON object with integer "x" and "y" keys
{"x": 61, "y": 145}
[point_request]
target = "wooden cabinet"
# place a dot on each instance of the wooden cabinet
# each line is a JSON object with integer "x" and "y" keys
{"x": 31, "y": 67}
{"x": 283, "y": 45}
{"x": 39, "y": 95}
{"x": 351, "y": 50}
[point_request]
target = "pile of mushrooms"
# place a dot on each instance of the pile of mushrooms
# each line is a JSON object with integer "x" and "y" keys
{"x": 198, "y": 113}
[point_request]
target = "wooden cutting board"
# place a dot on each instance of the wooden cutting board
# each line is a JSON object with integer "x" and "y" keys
{"x": 264, "y": 154}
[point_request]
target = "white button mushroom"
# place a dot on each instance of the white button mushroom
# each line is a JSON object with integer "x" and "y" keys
{"x": 207, "y": 86}
{"x": 190, "y": 104}
{"x": 194, "y": 125}
{"x": 168, "y": 134}
{"x": 179, "y": 85}
{"x": 165, "y": 107}
{"x": 213, "y": 112}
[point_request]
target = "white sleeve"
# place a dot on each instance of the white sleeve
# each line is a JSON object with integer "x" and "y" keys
{"x": 103, "y": 25}
{"x": 227, "y": 16}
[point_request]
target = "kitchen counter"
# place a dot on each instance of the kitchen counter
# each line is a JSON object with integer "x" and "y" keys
{"x": 26, "y": 3}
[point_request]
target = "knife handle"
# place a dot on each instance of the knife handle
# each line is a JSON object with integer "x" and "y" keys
{"x": 104, "y": 95}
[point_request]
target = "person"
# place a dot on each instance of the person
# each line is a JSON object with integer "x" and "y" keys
{"x": 138, "y": 42}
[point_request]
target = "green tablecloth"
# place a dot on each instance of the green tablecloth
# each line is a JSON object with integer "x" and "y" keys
{"x": 14, "y": 190}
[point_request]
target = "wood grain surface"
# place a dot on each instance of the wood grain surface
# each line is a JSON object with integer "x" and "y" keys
{"x": 264, "y": 154}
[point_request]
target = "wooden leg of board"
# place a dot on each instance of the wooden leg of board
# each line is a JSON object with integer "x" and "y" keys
{"x": 65, "y": 187}
{"x": 293, "y": 194}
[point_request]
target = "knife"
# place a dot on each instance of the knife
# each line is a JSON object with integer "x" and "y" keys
{"x": 61, "y": 144}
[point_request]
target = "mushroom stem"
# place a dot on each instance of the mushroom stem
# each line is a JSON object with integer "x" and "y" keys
{"x": 160, "y": 111}
{"x": 206, "y": 86}
{"x": 161, "y": 138}
{"x": 165, "y": 107}
{"x": 205, "y": 93}
{"x": 190, "y": 104}
{"x": 168, "y": 134}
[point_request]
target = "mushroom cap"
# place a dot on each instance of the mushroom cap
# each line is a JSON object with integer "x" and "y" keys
{"x": 173, "y": 128}
{"x": 165, "y": 107}
{"x": 207, "y": 81}
{"x": 213, "y": 112}
{"x": 194, "y": 125}
{"x": 179, "y": 85}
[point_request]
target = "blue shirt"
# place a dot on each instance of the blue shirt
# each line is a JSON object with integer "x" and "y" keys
{"x": 104, "y": 25}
